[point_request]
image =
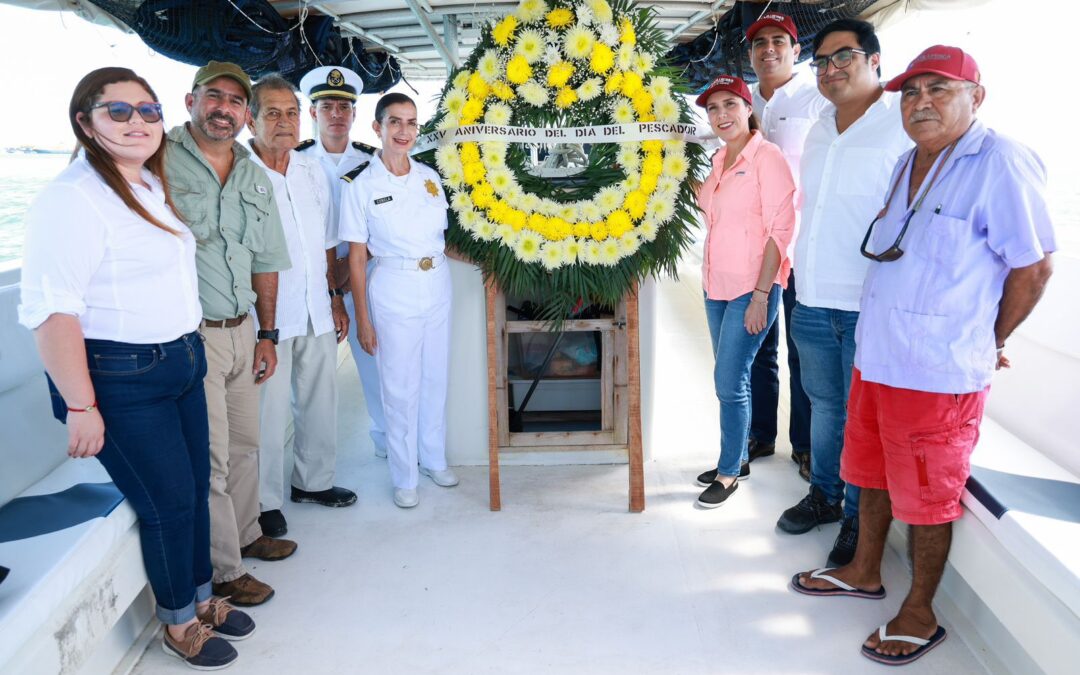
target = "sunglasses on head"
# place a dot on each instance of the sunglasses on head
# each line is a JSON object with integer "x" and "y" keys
{"x": 119, "y": 111}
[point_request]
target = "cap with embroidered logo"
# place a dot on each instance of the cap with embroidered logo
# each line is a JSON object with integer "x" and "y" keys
{"x": 331, "y": 82}
{"x": 775, "y": 20}
{"x": 950, "y": 62}
{"x": 726, "y": 83}
{"x": 216, "y": 69}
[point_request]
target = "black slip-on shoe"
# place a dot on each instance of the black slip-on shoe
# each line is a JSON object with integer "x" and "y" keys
{"x": 200, "y": 649}
{"x": 716, "y": 494}
{"x": 273, "y": 523}
{"x": 709, "y": 477}
{"x": 756, "y": 449}
{"x": 335, "y": 496}
{"x": 810, "y": 512}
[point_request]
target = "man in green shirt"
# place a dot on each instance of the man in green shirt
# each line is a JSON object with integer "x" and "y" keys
{"x": 228, "y": 203}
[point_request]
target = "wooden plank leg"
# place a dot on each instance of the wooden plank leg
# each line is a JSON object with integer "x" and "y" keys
{"x": 494, "y": 489}
{"x": 633, "y": 449}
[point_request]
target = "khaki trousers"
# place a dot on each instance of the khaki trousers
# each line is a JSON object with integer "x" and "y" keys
{"x": 304, "y": 386}
{"x": 232, "y": 400}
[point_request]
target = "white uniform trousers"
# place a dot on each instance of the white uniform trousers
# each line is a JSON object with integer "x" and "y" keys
{"x": 410, "y": 310}
{"x": 369, "y": 377}
{"x": 304, "y": 383}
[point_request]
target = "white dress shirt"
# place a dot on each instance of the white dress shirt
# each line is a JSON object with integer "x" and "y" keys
{"x": 304, "y": 201}
{"x": 787, "y": 116}
{"x": 845, "y": 178}
{"x": 336, "y": 165}
{"x": 396, "y": 216}
{"x": 88, "y": 255}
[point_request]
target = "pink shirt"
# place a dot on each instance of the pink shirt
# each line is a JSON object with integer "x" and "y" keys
{"x": 744, "y": 207}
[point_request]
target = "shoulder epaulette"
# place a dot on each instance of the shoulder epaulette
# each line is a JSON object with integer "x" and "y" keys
{"x": 305, "y": 145}
{"x": 351, "y": 176}
{"x": 364, "y": 147}
{"x": 429, "y": 165}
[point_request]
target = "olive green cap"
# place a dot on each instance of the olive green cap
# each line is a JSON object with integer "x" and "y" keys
{"x": 216, "y": 69}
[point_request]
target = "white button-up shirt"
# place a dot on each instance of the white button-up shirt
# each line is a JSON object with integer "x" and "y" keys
{"x": 844, "y": 181}
{"x": 87, "y": 254}
{"x": 335, "y": 166}
{"x": 305, "y": 203}
{"x": 396, "y": 216}
{"x": 786, "y": 118}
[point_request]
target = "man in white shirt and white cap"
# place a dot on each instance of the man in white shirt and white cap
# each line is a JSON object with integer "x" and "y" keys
{"x": 311, "y": 320}
{"x": 333, "y": 91}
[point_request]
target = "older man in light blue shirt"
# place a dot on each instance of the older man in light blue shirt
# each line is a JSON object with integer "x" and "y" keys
{"x": 962, "y": 255}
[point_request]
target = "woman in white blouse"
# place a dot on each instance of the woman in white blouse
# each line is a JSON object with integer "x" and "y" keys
{"x": 110, "y": 290}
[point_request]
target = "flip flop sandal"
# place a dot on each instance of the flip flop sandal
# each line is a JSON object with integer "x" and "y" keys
{"x": 902, "y": 659}
{"x": 841, "y": 587}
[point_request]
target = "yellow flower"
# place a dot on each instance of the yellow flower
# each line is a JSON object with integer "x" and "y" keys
{"x": 578, "y": 43}
{"x": 652, "y": 165}
{"x": 533, "y": 93}
{"x": 642, "y": 103}
{"x": 602, "y": 58}
{"x": 652, "y": 146}
{"x": 566, "y": 98}
{"x": 474, "y": 173}
{"x": 518, "y": 70}
{"x": 502, "y": 90}
{"x": 557, "y": 18}
{"x": 530, "y": 46}
{"x": 598, "y": 231}
{"x": 589, "y": 89}
{"x": 471, "y": 111}
{"x": 470, "y": 152}
{"x": 453, "y": 101}
{"x": 631, "y": 84}
{"x": 461, "y": 80}
{"x": 614, "y": 83}
{"x": 626, "y": 32}
{"x": 516, "y": 218}
{"x": 504, "y": 30}
{"x": 559, "y": 74}
{"x": 478, "y": 88}
{"x": 623, "y": 113}
{"x": 635, "y": 204}
{"x": 601, "y": 10}
{"x": 648, "y": 183}
{"x": 560, "y": 229}
{"x": 618, "y": 223}
{"x": 531, "y": 10}
{"x": 528, "y": 246}
{"x": 483, "y": 195}
{"x": 581, "y": 230}
{"x": 666, "y": 109}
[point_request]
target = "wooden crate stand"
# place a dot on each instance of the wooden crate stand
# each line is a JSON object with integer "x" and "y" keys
{"x": 620, "y": 392}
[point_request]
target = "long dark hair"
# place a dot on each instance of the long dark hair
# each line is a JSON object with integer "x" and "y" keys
{"x": 87, "y": 92}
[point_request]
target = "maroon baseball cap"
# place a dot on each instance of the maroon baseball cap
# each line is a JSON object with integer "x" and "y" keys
{"x": 775, "y": 19}
{"x": 726, "y": 83}
{"x": 950, "y": 62}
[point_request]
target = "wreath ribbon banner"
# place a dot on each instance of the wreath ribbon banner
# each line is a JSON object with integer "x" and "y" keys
{"x": 604, "y": 133}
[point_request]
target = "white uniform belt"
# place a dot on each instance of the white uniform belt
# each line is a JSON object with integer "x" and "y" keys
{"x": 420, "y": 264}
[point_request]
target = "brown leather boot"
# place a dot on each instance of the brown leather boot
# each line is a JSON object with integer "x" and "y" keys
{"x": 244, "y": 591}
{"x": 266, "y": 548}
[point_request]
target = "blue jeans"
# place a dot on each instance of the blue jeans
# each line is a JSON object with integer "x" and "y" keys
{"x": 765, "y": 385}
{"x": 734, "y": 349}
{"x": 826, "y": 339}
{"x": 157, "y": 451}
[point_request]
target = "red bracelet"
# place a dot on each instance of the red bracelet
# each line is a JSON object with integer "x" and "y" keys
{"x": 761, "y": 291}
{"x": 90, "y": 408}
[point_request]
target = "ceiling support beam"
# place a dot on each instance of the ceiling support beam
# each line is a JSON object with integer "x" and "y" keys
{"x": 351, "y": 27}
{"x": 451, "y": 58}
{"x": 701, "y": 16}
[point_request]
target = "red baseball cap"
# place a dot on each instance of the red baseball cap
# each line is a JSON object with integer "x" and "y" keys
{"x": 950, "y": 62}
{"x": 775, "y": 19}
{"x": 726, "y": 83}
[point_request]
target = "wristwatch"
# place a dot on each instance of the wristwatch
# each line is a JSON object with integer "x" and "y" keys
{"x": 270, "y": 335}
{"x": 336, "y": 292}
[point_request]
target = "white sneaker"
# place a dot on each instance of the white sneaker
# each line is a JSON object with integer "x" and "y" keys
{"x": 442, "y": 478}
{"x": 406, "y": 499}
{"x": 380, "y": 452}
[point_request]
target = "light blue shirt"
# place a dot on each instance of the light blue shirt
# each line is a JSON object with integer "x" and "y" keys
{"x": 927, "y": 319}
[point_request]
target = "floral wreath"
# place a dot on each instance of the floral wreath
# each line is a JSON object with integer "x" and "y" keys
{"x": 627, "y": 214}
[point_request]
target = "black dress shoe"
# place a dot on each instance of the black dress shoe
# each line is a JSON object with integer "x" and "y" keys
{"x": 803, "y": 460}
{"x": 335, "y": 496}
{"x": 756, "y": 449}
{"x": 273, "y": 523}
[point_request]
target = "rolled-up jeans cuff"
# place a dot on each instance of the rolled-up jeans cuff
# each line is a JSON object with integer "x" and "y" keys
{"x": 175, "y": 617}
{"x": 203, "y": 592}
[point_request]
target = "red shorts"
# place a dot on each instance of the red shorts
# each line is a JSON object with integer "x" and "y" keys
{"x": 915, "y": 444}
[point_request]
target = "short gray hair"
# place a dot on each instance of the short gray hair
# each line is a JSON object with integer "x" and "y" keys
{"x": 271, "y": 82}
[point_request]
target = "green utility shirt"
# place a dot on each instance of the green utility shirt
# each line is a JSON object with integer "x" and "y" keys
{"x": 237, "y": 224}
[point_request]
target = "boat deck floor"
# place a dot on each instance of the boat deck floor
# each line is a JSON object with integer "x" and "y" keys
{"x": 564, "y": 579}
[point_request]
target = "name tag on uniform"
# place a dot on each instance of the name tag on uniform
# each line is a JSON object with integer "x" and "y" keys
{"x": 383, "y": 200}
{"x": 260, "y": 189}
{"x": 740, "y": 173}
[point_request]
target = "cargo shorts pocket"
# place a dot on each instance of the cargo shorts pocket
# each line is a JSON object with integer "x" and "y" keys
{"x": 942, "y": 460}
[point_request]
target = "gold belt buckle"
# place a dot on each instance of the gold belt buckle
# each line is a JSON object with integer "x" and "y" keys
{"x": 426, "y": 263}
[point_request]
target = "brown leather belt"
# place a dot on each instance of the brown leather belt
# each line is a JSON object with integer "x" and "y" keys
{"x": 225, "y": 323}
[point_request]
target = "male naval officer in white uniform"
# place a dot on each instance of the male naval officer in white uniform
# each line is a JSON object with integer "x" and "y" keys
{"x": 310, "y": 324}
{"x": 333, "y": 91}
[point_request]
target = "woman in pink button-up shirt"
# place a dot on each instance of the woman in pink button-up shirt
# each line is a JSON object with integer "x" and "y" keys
{"x": 748, "y": 202}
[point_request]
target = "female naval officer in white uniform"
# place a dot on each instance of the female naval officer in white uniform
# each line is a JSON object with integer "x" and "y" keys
{"x": 395, "y": 208}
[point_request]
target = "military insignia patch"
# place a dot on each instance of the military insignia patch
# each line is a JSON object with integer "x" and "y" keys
{"x": 334, "y": 78}
{"x": 432, "y": 188}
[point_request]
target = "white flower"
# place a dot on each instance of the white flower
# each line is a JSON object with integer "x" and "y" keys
{"x": 489, "y": 66}
{"x": 501, "y": 179}
{"x": 533, "y": 93}
{"x": 624, "y": 59}
{"x": 454, "y": 101}
{"x": 455, "y": 178}
{"x": 498, "y": 114}
{"x": 514, "y": 196}
{"x": 660, "y": 210}
{"x": 469, "y": 219}
{"x": 572, "y": 248}
{"x": 578, "y": 42}
{"x": 584, "y": 14}
{"x": 633, "y": 180}
{"x": 609, "y": 198}
{"x": 506, "y": 235}
{"x": 647, "y": 230}
{"x": 548, "y": 207}
{"x": 629, "y": 244}
{"x": 601, "y": 10}
{"x": 667, "y": 185}
{"x": 610, "y": 252}
{"x": 448, "y": 122}
{"x": 628, "y": 157}
{"x": 461, "y": 202}
{"x": 531, "y": 10}
{"x": 485, "y": 230}
{"x": 461, "y": 80}
{"x": 675, "y": 166}
{"x": 553, "y": 255}
{"x": 644, "y": 62}
{"x": 569, "y": 213}
{"x": 675, "y": 148}
{"x": 590, "y": 89}
{"x": 528, "y": 246}
{"x": 591, "y": 212}
{"x": 552, "y": 55}
{"x": 609, "y": 34}
{"x": 530, "y": 45}
{"x": 530, "y": 202}
{"x": 493, "y": 160}
{"x": 623, "y": 111}
{"x": 659, "y": 86}
{"x": 665, "y": 109}
{"x": 447, "y": 158}
{"x": 590, "y": 253}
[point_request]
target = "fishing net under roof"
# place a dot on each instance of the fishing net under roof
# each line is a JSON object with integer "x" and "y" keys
{"x": 724, "y": 49}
